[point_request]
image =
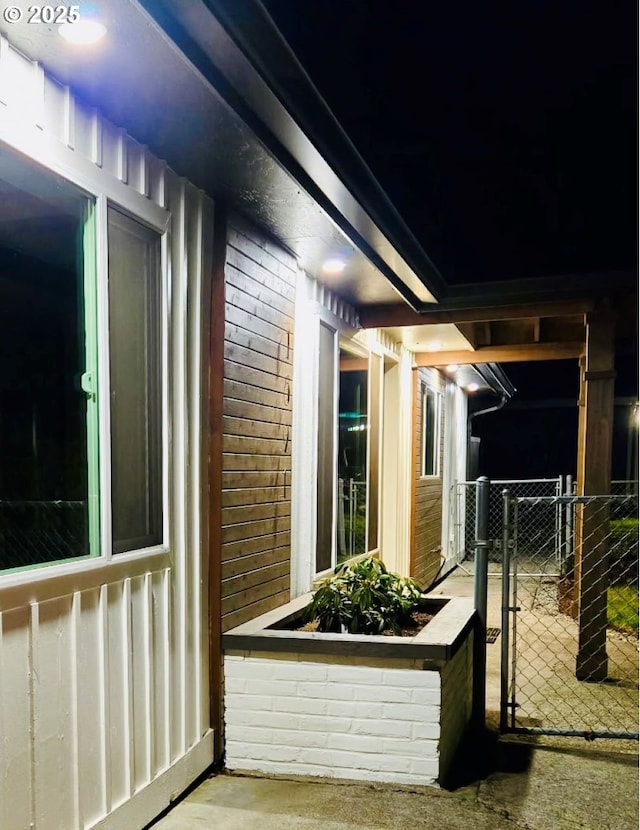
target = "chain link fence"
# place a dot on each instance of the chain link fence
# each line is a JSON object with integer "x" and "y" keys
{"x": 463, "y": 504}
{"x": 35, "y": 532}
{"x": 352, "y": 518}
{"x": 570, "y": 614}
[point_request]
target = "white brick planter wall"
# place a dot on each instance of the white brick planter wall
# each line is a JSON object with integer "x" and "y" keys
{"x": 318, "y": 704}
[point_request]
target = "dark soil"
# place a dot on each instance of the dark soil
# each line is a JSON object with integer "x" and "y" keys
{"x": 416, "y": 623}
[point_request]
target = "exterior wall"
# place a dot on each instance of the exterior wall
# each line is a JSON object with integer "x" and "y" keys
{"x": 457, "y": 703}
{"x": 454, "y": 470}
{"x": 260, "y": 279}
{"x": 427, "y": 492}
{"x": 296, "y": 716}
{"x": 104, "y": 710}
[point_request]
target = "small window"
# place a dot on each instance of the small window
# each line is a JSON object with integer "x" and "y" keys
{"x": 430, "y": 432}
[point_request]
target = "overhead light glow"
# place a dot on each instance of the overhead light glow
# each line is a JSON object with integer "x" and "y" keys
{"x": 472, "y": 387}
{"x": 334, "y": 266}
{"x": 84, "y": 32}
{"x": 452, "y": 367}
{"x": 434, "y": 346}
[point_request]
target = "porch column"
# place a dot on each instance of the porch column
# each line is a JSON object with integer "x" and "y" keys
{"x": 594, "y": 478}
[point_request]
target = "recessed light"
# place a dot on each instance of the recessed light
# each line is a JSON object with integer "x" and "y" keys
{"x": 434, "y": 346}
{"x": 472, "y": 387}
{"x": 84, "y": 32}
{"x": 334, "y": 266}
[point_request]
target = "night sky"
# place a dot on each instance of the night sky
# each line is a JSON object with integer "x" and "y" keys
{"x": 506, "y": 135}
{"x": 504, "y": 132}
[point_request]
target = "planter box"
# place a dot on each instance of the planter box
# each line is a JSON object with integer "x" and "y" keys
{"x": 370, "y": 708}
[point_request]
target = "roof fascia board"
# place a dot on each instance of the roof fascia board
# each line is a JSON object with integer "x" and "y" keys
{"x": 384, "y": 316}
{"x": 197, "y": 32}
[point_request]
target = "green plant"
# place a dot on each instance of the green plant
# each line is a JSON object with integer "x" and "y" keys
{"x": 363, "y": 597}
{"x": 622, "y": 608}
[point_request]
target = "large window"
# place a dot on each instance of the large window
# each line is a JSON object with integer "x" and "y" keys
{"x": 349, "y": 396}
{"x": 51, "y": 437}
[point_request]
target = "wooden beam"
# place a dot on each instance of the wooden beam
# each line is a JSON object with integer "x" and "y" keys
{"x": 381, "y": 316}
{"x": 594, "y": 478}
{"x": 502, "y": 354}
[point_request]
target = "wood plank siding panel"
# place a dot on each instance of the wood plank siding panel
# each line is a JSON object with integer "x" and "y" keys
{"x": 256, "y": 439}
{"x": 427, "y": 495}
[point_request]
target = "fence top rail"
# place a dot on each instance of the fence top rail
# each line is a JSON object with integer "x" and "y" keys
{"x": 572, "y": 499}
{"x": 517, "y": 481}
{"x": 56, "y": 503}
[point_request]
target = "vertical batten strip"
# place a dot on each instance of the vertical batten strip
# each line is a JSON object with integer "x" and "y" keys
{"x": 122, "y": 158}
{"x": 96, "y": 138}
{"x": 76, "y": 622}
{"x": 127, "y": 685}
{"x": 149, "y": 690}
{"x": 69, "y": 119}
{"x": 4, "y": 85}
{"x": 195, "y": 346}
{"x": 179, "y": 463}
{"x": 103, "y": 703}
{"x": 166, "y": 650}
{"x": 38, "y": 95}
{"x": 34, "y": 630}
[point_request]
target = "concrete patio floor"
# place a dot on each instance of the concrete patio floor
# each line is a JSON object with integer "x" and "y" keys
{"x": 538, "y": 783}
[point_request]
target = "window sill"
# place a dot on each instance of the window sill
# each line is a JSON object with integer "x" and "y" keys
{"x": 48, "y": 582}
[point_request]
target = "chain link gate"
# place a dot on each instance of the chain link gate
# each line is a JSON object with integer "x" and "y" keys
{"x": 570, "y": 615}
{"x": 463, "y": 512}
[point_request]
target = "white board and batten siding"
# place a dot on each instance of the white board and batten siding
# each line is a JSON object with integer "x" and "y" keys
{"x": 104, "y": 682}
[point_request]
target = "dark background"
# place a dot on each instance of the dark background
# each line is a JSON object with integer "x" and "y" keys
{"x": 506, "y": 135}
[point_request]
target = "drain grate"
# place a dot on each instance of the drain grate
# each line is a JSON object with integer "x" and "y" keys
{"x": 492, "y": 634}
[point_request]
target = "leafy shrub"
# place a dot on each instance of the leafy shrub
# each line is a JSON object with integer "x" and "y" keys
{"x": 364, "y": 598}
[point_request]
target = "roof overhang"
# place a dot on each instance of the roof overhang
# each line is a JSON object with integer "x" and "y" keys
{"x": 171, "y": 75}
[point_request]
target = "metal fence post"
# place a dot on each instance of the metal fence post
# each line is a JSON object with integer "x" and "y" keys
{"x": 480, "y": 601}
{"x": 504, "y": 654}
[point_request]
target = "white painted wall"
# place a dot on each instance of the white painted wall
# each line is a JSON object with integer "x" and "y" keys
{"x": 454, "y": 469}
{"x": 104, "y": 663}
{"x": 303, "y": 717}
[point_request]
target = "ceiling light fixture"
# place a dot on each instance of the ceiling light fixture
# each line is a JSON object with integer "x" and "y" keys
{"x": 84, "y": 32}
{"x": 334, "y": 266}
{"x": 434, "y": 346}
{"x": 472, "y": 387}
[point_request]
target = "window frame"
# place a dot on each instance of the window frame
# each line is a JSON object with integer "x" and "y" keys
{"x": 100, "y": 189}
{"x": 426, "y": 392}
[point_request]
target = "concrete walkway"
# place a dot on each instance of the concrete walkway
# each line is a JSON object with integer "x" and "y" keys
{"x": 537, "y": 783}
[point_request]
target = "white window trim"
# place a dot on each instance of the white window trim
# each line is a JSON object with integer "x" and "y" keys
{"x": 425, "y": 390}
{"x": 103, "y": 189}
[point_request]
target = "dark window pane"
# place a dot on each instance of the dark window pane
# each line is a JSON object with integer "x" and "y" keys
{"x": 135, "y": 363}
{"x": 326, "y": 447}
{"x": 374, "y": 451}
{"x": 43, "y": 412}
{"x": 353, "y": 430}
{"x": 429, "y": 432}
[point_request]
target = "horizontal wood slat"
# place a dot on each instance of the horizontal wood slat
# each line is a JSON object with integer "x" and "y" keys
{"x": 254, "y": 512}
{"x": 255, "y": 495}
{"x": 260, "y": 527}
{"x": 253, "y": 561}
{"x": 256, "y": 442}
